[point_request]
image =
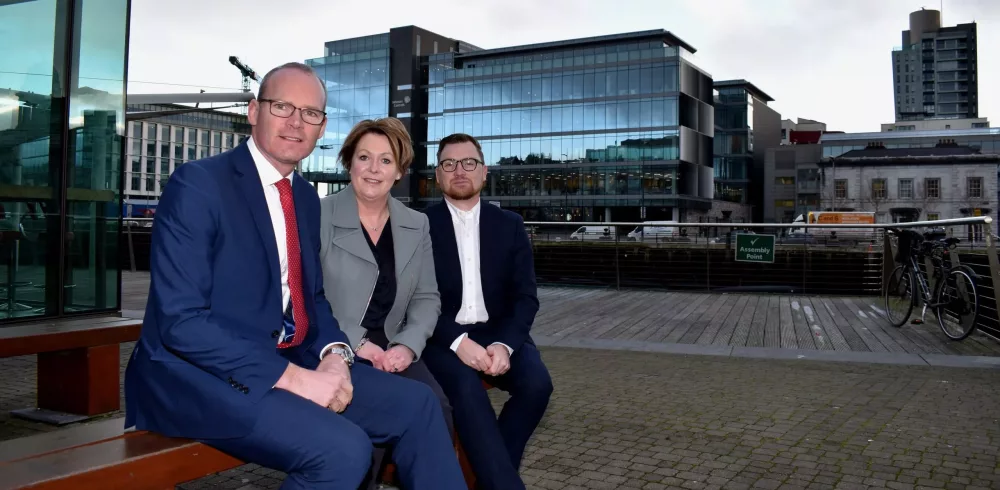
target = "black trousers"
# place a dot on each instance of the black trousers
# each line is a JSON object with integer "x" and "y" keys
{"x": 485, "y": 436}
{"x": 417, "y": 371}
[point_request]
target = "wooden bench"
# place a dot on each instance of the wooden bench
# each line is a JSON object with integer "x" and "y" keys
{"x": 389, "y": 471}
{"x": 103, "y": 455}
{"x": 78, "y": 364}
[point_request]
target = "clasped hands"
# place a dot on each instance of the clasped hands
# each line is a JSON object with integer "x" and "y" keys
{"x": 328, "y": 386}
{"x": 493, "y": 360}
{"x": 392, "y": 360}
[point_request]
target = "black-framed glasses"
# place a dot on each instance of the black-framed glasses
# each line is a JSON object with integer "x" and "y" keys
{"x": 450, "y": 164}
{"x": 283, "y": 109}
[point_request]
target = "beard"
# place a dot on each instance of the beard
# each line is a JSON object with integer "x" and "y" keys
{"x": 464, "y": 193}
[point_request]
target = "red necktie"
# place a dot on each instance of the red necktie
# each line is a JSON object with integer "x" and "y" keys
{"x": 294, "y": 264}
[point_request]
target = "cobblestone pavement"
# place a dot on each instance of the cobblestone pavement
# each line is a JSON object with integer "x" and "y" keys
{"x": 648, "y": 420}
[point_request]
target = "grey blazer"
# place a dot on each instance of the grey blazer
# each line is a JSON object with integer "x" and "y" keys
{"x": 350, "y": 271}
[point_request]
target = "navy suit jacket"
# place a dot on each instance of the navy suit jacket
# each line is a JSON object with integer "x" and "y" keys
{"x": 208, "y": 349}
{"x": 507, "y": 269}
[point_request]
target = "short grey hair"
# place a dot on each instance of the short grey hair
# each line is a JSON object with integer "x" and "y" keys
{"x": 292, "y": 65}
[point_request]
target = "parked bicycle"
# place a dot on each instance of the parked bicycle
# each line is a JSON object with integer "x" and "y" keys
{"x": 953, "y": 298}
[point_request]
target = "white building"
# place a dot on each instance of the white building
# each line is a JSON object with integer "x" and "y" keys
{"x": 903, "y": 184}
{"x": 157, "y": 146}
{"x": 938, "y": 124}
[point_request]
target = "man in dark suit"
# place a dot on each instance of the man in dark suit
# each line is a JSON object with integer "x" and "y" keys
{"x": 239, "y": 348}
{"x": 486, "y": 276}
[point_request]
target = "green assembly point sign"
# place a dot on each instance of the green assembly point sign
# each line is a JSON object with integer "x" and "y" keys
{"x": 755, "y": 248}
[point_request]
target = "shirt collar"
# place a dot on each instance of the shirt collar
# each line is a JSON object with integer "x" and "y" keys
{"x": 464, "y": 215}
{"x": 268, "y": 174}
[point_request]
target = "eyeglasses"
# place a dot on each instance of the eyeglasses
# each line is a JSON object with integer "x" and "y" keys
{"x": 469, "y": 164}
{"x": 285, "y": 110}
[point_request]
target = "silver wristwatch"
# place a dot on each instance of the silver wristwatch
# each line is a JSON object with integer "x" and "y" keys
{"x": 342, "y": 352}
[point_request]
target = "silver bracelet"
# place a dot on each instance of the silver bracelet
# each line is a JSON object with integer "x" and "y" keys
{"x": 364, "y": 340}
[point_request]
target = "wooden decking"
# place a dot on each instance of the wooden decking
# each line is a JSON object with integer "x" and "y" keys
{"x": 848, "y": 324}
{"x": 843, "y": 324}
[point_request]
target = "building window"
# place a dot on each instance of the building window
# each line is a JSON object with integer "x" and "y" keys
{"x": 932, "y": 188}
{"x": 878, "y": 189}
{"x": 974, "y": 188}
{"x": 784, "y": 180}
{"x": 932, "y": 217}
{"x": 840, "y": 188}
{"x": 906, "y": 188}
{"x": 784, "y": 203}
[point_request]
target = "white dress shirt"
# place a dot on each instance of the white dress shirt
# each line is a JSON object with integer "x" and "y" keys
{"x": 269, "y": 178}
{"x": 473, "y": 309}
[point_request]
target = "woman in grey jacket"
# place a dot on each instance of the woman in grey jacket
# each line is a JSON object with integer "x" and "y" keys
{"x": 378, "y": 267}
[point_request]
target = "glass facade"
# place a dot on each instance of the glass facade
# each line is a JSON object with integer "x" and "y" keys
{"x": 584, "y": 128}
{"x": 575, "y": 131}
{"x": 62, "y": 124}
{"x": 356, "y": 73}
{"x": 733, "y": 143}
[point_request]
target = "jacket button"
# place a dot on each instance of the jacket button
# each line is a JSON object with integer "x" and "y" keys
{"x": 245, "y": 390}
{"x": 275, "y": 334}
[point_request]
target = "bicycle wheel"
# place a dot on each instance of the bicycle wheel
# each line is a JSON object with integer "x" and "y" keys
{"x": 958, "y": 304}
{"x": 899, "y": 296}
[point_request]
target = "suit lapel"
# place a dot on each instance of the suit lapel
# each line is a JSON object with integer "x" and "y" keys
{"x": 405, "y": 235}
{"x": 488, "y": 223}
{"x": 300, "y": 192}
{"x": 448, "y": 241}
{"x": 350, "y": 237}
{"x": 253, "y": 192}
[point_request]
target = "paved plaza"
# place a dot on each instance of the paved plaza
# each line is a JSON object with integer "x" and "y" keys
{"x": 621, "y": 418}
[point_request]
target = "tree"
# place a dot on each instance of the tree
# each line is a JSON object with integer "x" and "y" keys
{"x": 875, "y": 192}
{"x": 928, "y": 202}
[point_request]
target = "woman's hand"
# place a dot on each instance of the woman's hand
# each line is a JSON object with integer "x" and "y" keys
{"x": 397, "y": 358}
{"x": 373, "y": 354}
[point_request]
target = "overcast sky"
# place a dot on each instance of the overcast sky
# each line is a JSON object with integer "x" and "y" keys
{"x": 828, "y": 60}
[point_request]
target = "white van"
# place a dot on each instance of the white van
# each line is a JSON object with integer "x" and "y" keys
{"x": 655, "y": 230}
{"x": 594, "y": 233}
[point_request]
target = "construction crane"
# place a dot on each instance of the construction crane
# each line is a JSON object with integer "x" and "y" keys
{"x": 248, "y": 74}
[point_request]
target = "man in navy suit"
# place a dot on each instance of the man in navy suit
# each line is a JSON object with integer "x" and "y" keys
{"x": 486, "y": 277}
{"x": 239, "y": 348}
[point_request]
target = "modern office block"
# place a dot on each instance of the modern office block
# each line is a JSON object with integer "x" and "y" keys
{"x": 62, "y": 120}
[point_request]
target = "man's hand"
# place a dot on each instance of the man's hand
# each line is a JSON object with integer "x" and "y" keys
{"x": 335, "y": 365}
{"x": 397, "y": 358}
{"x": 473, "y": 355}
{"x": 500, "y": 358}
{"x": 327, "y": 388}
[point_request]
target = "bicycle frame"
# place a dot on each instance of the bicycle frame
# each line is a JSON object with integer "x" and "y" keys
{"x": 922, "y": 281}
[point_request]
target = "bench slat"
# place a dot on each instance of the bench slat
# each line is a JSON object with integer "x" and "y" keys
{"x": 70, "y": 437}
{"x": 27, "y": 340}
{"x": 137, "y": 460}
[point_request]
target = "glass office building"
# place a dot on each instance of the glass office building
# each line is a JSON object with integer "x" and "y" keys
{"x": 356, "y": 73}
{"x": 62, "y": 120}
{"x": 614, "y": 127}
{"x": 745, "y": 126}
